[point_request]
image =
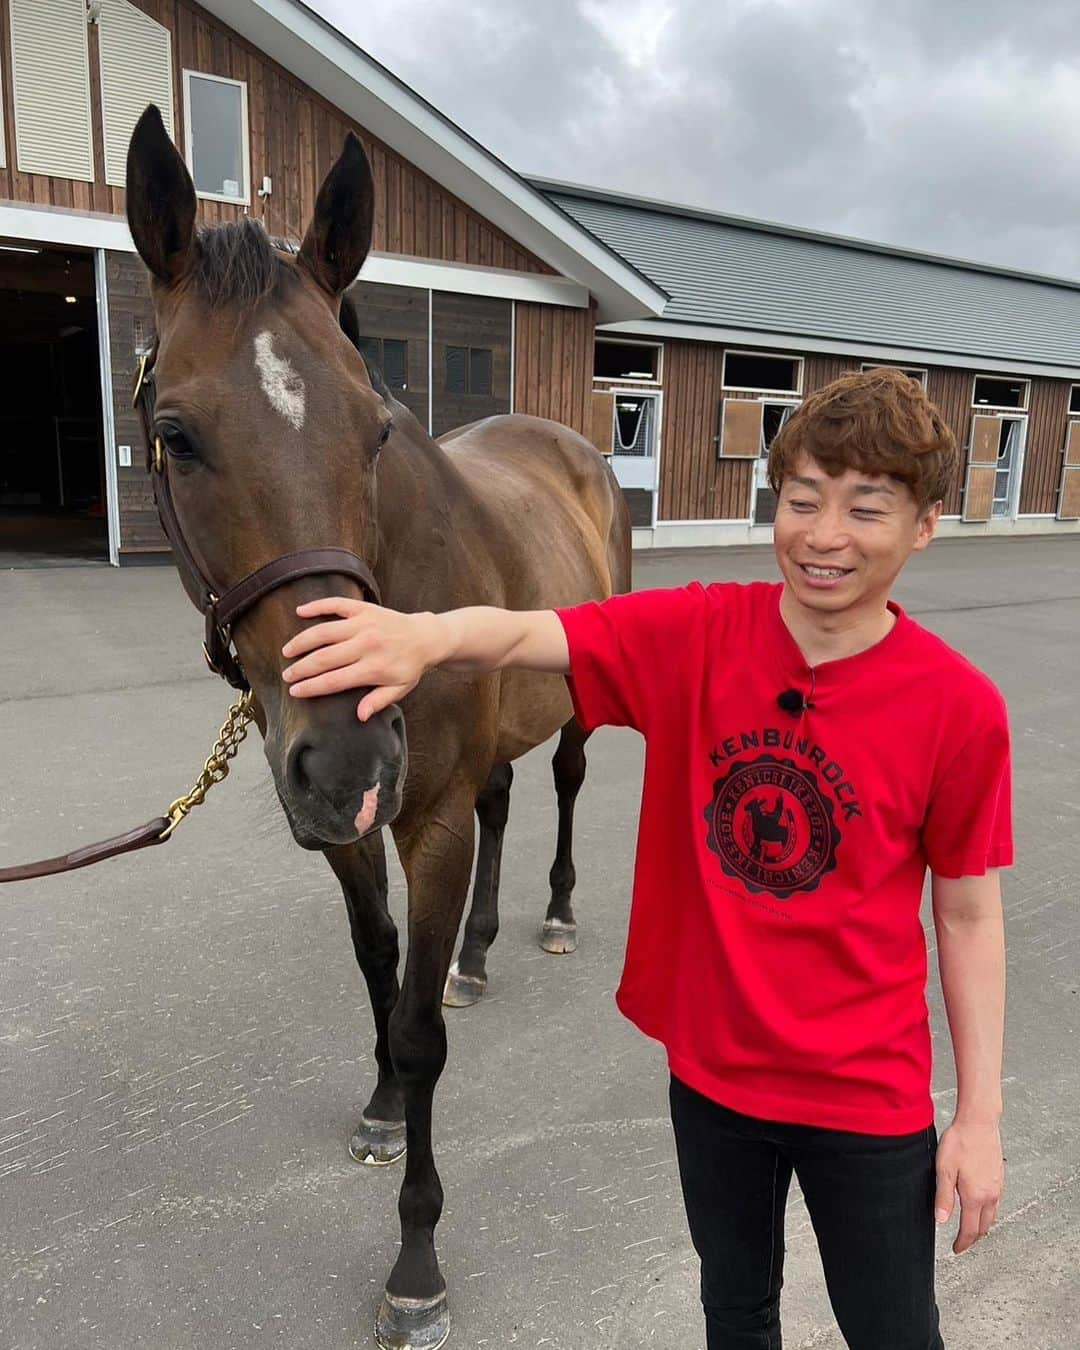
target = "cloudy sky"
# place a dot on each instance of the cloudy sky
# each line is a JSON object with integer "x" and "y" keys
{"x": 949, "y": 125}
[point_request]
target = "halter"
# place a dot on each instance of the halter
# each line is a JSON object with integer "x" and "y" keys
{"x": 222, "y": 608}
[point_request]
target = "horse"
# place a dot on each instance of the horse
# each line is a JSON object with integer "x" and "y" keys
{"x": 769, "y": 827}
{"x": 275, "y": 437}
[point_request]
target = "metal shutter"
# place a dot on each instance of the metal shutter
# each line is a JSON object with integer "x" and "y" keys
{"x": 396, "y": 363}
{"x": 51, "y": 79}
{"x": 480, "y": 371}
{"x": 457, "y": 370}
{"x": 136, "y": 69}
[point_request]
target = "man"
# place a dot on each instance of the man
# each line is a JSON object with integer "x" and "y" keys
{"x": 811, "y": 752}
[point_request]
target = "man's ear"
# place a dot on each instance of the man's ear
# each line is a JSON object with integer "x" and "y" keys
{"x": 928, "y": 523}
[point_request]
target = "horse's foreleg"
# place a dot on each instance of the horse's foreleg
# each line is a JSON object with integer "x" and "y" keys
{"x": 467, "y": 980}
{"x": 361, "y": 868}
{"x": 560, "y": 928}
{"x": 437, "y": 858}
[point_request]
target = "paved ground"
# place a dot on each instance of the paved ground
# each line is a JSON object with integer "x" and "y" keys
{"x": 184, "y": 1041}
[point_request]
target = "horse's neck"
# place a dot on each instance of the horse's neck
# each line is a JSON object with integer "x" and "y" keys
{"x": 425, "y": 513}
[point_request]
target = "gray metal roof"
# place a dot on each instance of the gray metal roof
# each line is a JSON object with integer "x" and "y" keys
{"x": 732, "y": 272}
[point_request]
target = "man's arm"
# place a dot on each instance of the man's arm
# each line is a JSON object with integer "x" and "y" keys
{"x": 971, "y": 957}
{"x": 368, "y": 647}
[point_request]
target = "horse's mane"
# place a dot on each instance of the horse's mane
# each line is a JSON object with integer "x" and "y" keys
{"x": 238, "y": 263}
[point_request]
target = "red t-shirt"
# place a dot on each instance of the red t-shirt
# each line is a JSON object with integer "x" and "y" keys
{"x": 775, "y": 943}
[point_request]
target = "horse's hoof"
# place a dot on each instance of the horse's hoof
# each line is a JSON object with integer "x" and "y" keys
{"x": 462, "y": 991}
{"x": 559, "y": 937}
{"x": 378, "y": 1143}
{"x": 412, "y": 1323}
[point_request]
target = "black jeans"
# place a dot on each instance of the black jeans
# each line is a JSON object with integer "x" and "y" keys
{"x": 869, "y": 1197}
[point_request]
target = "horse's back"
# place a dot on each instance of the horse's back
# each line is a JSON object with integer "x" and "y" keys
{"x": 558, "y": 514}
{"x": 556, "y": 534}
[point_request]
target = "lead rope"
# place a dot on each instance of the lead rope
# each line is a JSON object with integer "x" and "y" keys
{"x": 216, "y": 768}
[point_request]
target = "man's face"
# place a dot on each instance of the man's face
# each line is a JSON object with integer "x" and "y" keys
{"x": 841, "y": 542}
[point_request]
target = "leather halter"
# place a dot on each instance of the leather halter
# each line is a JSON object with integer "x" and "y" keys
{"x": 223, "y": 608}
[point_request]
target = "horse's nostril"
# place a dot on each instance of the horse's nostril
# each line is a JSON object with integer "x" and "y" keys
{"x": 397, "y": 726}
{"x": 298, "y": 770}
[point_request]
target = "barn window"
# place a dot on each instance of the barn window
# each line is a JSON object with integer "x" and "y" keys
{"x": 993, "y": 392}
{"x": 617, "y": 360}
{"x": 1074, "y": 398}
{"x": 390, "y": 356}
{"x": 916, "y": 373}
{"x": 762, "y": 373}
{"x": 217, "y": 136}
{"x": 469, "y": 370}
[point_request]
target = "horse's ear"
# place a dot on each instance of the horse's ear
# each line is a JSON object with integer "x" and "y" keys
{"x": 160, "y": 200}
{"x": 339, "y": 236}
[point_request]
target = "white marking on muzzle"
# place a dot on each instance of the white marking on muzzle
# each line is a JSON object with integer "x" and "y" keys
{"x": 281, "y": 384}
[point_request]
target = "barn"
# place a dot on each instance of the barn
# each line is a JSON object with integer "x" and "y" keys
{"x": 678, "y": 340}
{"x": 762, "y": 314}
{"x": 480, "y": 296}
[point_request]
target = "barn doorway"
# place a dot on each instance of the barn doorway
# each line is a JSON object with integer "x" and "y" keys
{"x": 52, "y": 459}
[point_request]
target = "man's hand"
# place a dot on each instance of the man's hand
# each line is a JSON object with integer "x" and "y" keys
{"x": 969, "y": 1163}
{"x": 368, "y": 647}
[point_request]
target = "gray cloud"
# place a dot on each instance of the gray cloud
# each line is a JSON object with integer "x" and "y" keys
{"x": 937, "y": 124}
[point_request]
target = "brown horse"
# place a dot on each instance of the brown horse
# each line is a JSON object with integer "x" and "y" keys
{"x": 278, "y": 438}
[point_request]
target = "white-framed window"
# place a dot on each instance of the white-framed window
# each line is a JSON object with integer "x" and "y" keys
{"x": 762, "y": 372}
{"x": 999, "y": 392}
{"x": 916, "y": 373}
{"x": 627, "y": 359}
{"x": 216, "y": 136}
{"x": 1074, "y": 399}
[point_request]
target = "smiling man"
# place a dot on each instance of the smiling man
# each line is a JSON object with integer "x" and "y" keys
{"x": 812, "y": 753}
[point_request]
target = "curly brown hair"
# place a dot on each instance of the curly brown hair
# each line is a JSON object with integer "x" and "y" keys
{"x": 877, "y": 421}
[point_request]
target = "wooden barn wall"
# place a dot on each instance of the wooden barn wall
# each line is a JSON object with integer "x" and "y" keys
{"x": 131, "y": 321}
{"x": 1045, "y": 442}
{"x": 553, "y": 363}
{"x": 294, "y": 135}
{"x": 951, "y": 389}
{"x": 695, "y": 485}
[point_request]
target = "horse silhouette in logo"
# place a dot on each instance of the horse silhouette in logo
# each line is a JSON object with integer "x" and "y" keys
{"x": 771, "y": 831}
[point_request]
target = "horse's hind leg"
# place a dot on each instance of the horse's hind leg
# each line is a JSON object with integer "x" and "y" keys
{"x": 560, "y": 928}
{"x": 379, "y": 1138}
{"x": 467, "y": 979}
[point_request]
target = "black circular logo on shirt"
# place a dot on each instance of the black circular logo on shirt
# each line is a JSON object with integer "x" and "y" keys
{"x": 772, "y": 827}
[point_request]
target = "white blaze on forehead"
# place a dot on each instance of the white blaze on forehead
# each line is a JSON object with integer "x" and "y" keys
{"x": 281, "y": 384}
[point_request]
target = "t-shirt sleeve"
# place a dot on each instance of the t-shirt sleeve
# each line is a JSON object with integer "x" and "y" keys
{"x": 628, "y": 653}
{"x": 968, "y": 828}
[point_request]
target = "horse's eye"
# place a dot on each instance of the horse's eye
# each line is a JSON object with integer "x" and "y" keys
{"x": 384, "y": 435}
{"x": 176, "y": 441}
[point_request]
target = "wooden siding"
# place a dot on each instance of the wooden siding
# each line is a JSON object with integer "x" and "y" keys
{"x": 1047, "y": 424}
{"x": 131, "y": 319}
{"x": 294, "y": 134}
{"x": 694, "y": 484}
{"x": 553, "y": 363}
